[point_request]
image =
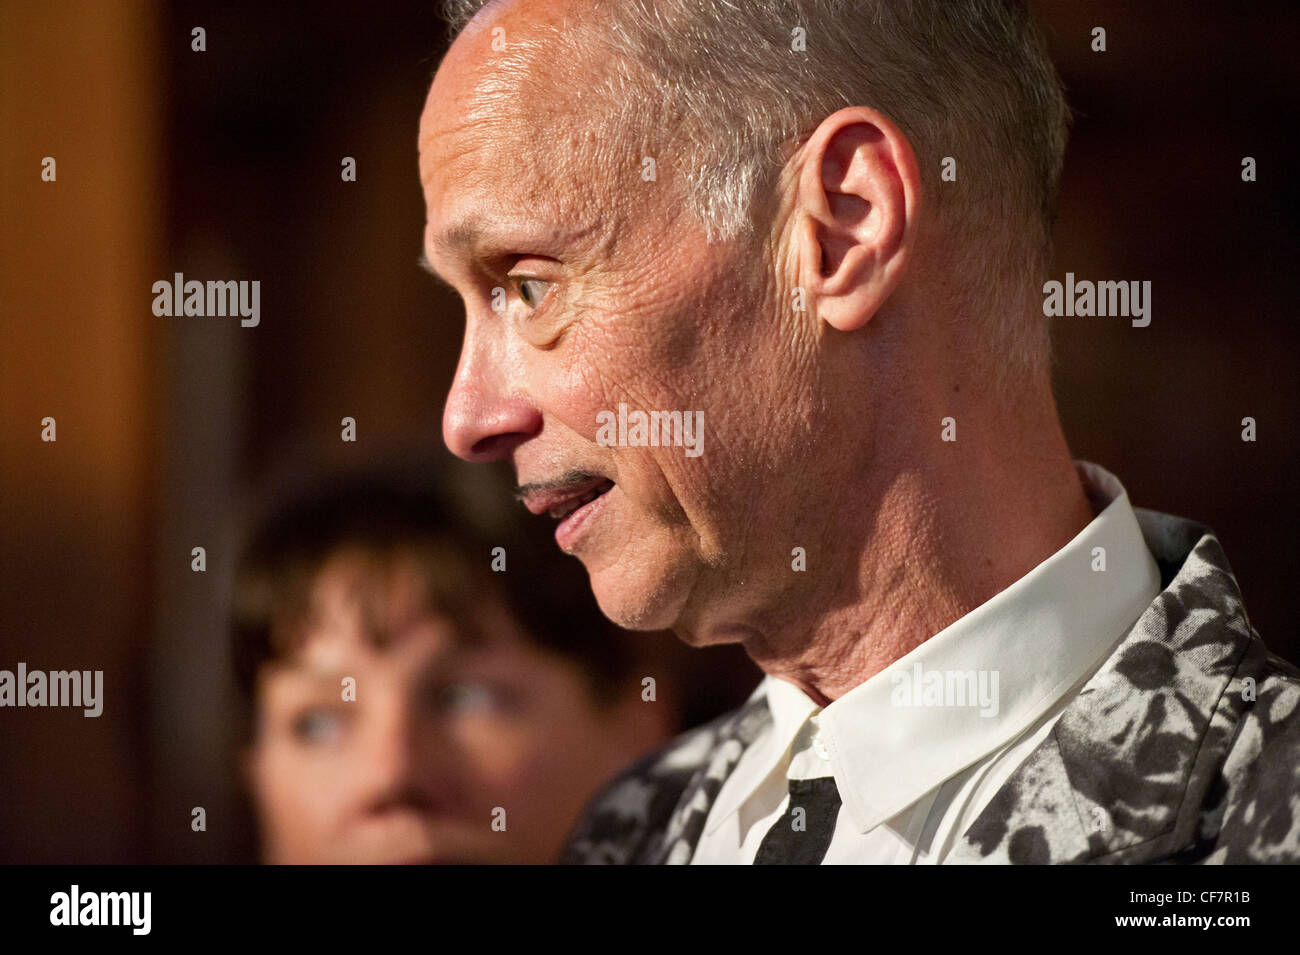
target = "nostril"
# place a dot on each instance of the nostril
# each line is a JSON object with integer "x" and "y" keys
{"x": 496, "y": 445}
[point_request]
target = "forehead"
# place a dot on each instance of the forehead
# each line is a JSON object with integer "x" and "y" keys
{"x": 508, "y": 136}
{"x": 360, "y": 603}
{"x": 489, "y": 89}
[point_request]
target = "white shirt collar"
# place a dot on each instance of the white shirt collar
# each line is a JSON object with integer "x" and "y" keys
{"x": 1037, "y": 638}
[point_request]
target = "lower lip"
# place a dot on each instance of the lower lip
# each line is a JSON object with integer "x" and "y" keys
{"x": 570, "y": 530}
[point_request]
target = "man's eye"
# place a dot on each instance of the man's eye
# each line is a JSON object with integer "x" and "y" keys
{"x": 532, "y": 291}
{"x": 317, "y": 726}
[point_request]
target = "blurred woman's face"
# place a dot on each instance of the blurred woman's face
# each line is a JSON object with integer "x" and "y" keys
{"x": 426, "y": 749}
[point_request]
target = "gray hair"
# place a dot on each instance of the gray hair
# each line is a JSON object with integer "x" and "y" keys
{"x": 967, "y": 79}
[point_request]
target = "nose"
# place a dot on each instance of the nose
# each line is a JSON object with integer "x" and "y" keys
{"x": 408, "y": 765}
{"x": 488, "y": 413}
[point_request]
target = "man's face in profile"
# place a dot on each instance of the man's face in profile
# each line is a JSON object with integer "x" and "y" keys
{"x": 439, "y": 733}
{"x": 611, "y": 294}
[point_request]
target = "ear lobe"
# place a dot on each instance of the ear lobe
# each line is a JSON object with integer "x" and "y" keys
{"x": 859, "y": 192}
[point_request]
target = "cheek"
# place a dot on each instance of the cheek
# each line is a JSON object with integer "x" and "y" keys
{"x": 647, "y": 364}
{"x": 299, "y": 796}
{"x": 637, "y": 343}
{"x": 533, "y": 754}
{"x": 496, "y": 751}
{"x": 576, "y": 386}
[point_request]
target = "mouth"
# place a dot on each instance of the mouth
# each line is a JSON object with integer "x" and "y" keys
{"x": 573, "y": 504}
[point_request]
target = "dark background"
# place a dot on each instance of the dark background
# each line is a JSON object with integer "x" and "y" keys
{"x": 226, "y": 164}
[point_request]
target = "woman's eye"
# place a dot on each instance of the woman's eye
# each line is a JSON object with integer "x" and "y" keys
{"x": 317, "y": 726}
{"x": 468, "y": 697}
{"x": 532, "y": 291}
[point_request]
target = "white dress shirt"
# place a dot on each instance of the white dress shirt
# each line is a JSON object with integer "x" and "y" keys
{"x": 920, "y": 748}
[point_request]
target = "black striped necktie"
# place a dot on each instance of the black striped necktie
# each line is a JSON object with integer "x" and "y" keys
{"x": 803, "y": 833}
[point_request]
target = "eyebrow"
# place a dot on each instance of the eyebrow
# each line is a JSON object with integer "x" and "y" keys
{"x": 458, "y": 238}
{"x": 470, "y": 240}
{"x": 462, "y": 235}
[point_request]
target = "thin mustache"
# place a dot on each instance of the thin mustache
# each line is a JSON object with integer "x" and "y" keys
{"x": 567, "y": 479}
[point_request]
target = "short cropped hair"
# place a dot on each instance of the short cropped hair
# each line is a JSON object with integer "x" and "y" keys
{"x": 729, "y": 79}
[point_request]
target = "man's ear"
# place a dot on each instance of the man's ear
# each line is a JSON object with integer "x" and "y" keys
{"x": 859, "y": 193}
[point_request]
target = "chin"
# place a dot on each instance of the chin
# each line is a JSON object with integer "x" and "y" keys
{"x": 639, "y": 599}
